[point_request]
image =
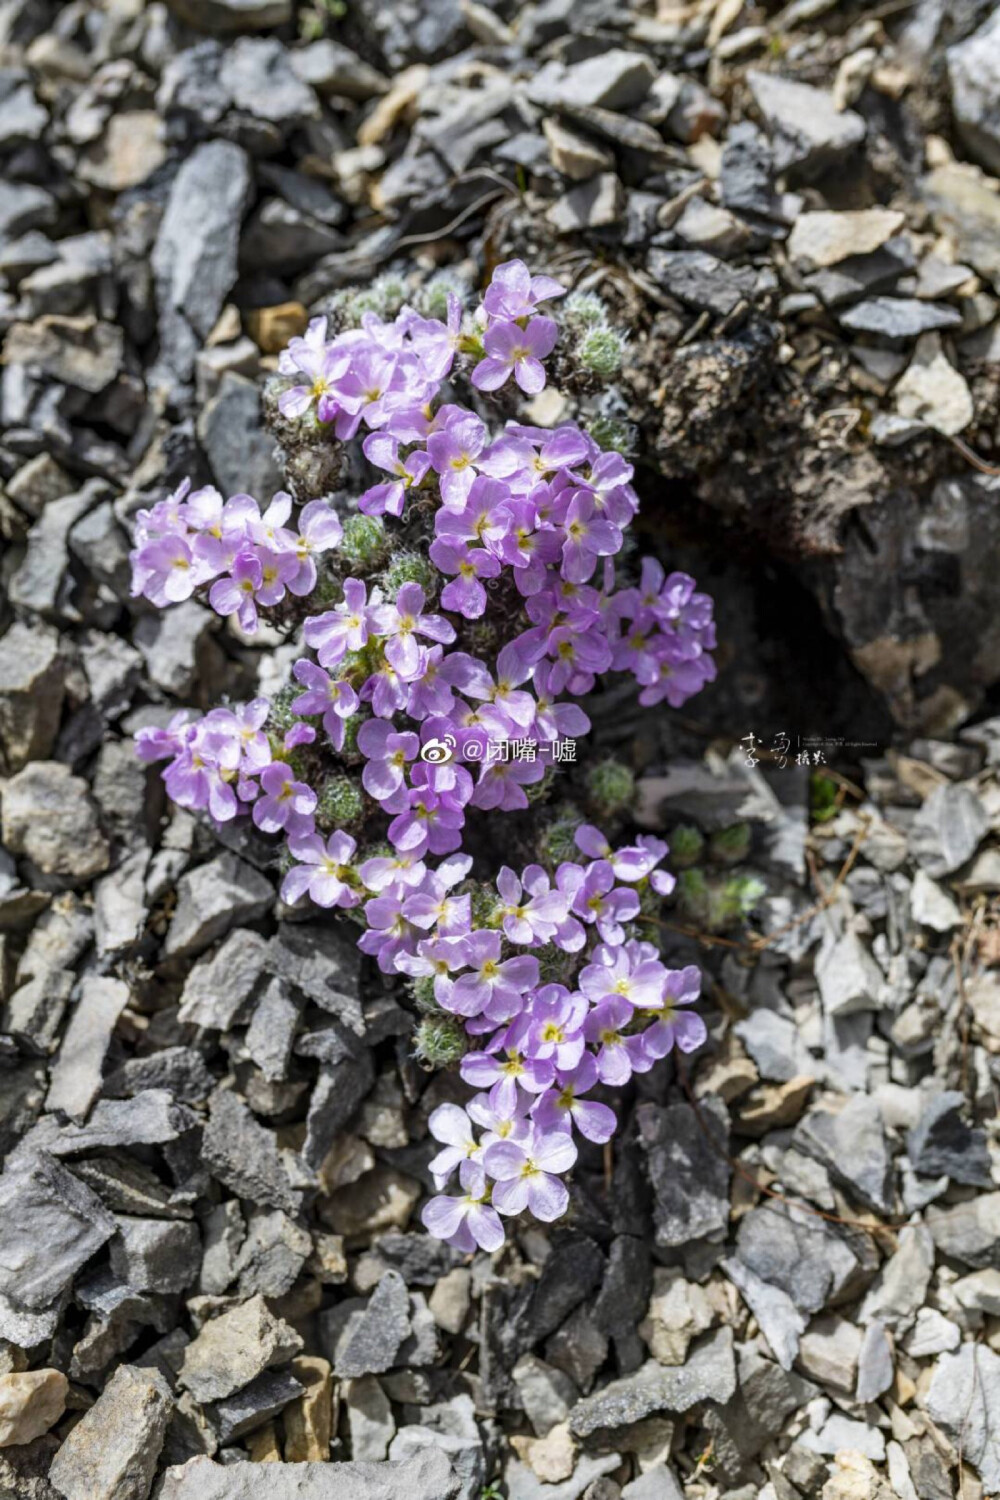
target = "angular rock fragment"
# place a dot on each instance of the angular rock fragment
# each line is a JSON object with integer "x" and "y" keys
{"x": 50, "y": 1226}
{"x": 709, "y": 1374}
{"x": 426, "y": 1476}
{"x": 76, "y": 1077}
{"x": 964, "y": 1400}
{"x": 112, "y": 1451}
{"x": 211, "y": 899}
{"x": 244, "y": 1154}
{"x": 234, "y": 1348}
{"x": 156, "y": 1255}
{"x": 32, "y": 674}
{"x": 365, "y": 1339}
{"x": 808, "y": 133}
{"x": 49, "y": 818}
{"x": 31, "y": 1401}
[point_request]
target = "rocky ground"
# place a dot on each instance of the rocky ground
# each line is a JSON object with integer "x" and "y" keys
{"x": 784, "y": 1278}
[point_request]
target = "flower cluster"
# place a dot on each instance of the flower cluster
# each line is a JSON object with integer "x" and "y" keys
{"x": 545, "y": 975}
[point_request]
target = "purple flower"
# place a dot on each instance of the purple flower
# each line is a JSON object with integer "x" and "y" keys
{"x": 500, "y": 1121}
{"x": 467, "y": 1223}
{"x": 332, "y": 697}
{"x": 513, "y": 350}
{"x": 525, "y": 1174}
{"x": 386, "y": 752}
{"x": 532, "y": 912}
{"x": 401, "y": 622}
{"x": 634, "y": 862}
{"x": 637, "y": 978}
{"x": 237, "y": 595}
{"x": 319, "y": 530}
{"x": 450, "y": 1125}
{"x": 604, "y": 1027}
{"x": 670, "y": 1026}
{"x": 389, "y": 499}
{"x": 556, "y": 1026}
{"x": 167, "y": 571}
{"x": 558, "y": 1106}
{"x": 514, "y": 293}
{"x": 323, "y": 871}
{"x": 430, "y": 823}
{"x": 494, "y": 987}
{"x": 453, "y": 451}
{"x": 466, "y": 594}
{"x": 341, "y": 629}
{"x": 597, "y": 900}
{"x": 285, "y": 800}
{"x": 433, "y": 905}
{"x": 588, "y": 537}
{"x": 501, "y": 782}
{"x": 503, "y": 1076}
{"x": 320, "y": 363}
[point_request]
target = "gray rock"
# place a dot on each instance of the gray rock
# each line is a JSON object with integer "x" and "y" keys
{"x": 849, "y": 979}
{"x": 690, "y": 1180}
{"x": 774, "y": 1044}
{"x": 861, "y": 276}
{"x": 659, "y": 1483}
{"x": 780, "y": 1321}
{"x": 331, "y": 68}
{"x": 592, "y": 205}
{"x": 808, "y": 133}
{"x": 573, "y": 1269}
{"x": 339, "y": 1089}
{"x": 369, "y": 1418}
{"x": 574, "y": 155}
{"x": 223, "y": 1231}
{"x": 258, "y": 76}
{"x": 50, "y": 819}
{"x": 231, "y": 431}
{"x": 875, "y": 1363}
{"x": 244, "y": 1155}
{"x": 829, "y": 1351}
{"x": 708, "y": 1375}
{"x": 797, "y": 1252}
{"x": 547, "y": 1394}
{"x": 614, "y": 79}
{"x": 272, "y": 1254}
{"x": 942, "y": 1143}
{"x": 948, "y": 829}
{"x": 964, "y": 1401}
{"x": 79, "y": 352}
{"x": 899, "y": 317}
{"x": 32, "y": 676}
{"x": 50, "y": 1226}
{"x": 256, "y": 1403}
{"x": 454, "y": 1432}
{"x": 321, "y": 960}
{"x": 840, "y": 1432}
{"x": 227, "y": 17}
{"x": 281, "y": 237}
{"x": 24, "y": 207}
{"x": 152, "y": 1118}
{"x": 364, "y": 1339}
{"x": 155, "y": 1255}
{"x": 38, "y": 583}
{"x": 213, "y": 898}
{"x": 852, "y": 1146}
{"x": 271, "y": 1032}
{"x": 523, "y": 1484}
{"x": 746, "y": 177}
{"x": 76, "y": 1077}
{"x": 35, "y": 1011}
{"x": 182, "y": 1071}
{"x": 427, "y": 1476}
{"x": 194, "y": 259}
{"x": 701, "y": 281}
{"x": 980, "y": 1292}
{"x": 178, "y": 649}
{"x": 219, "y": 988}
{"x": 231, "y": 1350}
{"x": 974, "y": 74}
{"x": 968, "y": 1232}
{"x": 932, "y": 906}
{"x": 112, "y": 1451}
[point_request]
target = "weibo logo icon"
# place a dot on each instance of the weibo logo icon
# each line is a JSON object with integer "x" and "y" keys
{"x": 439, "y": 752}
